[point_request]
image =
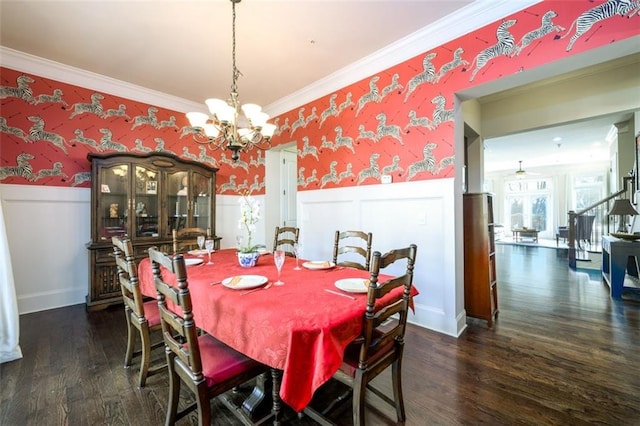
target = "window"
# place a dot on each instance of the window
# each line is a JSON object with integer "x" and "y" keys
{"x": 588, "y": 189}
{"x": 528, "y": 203}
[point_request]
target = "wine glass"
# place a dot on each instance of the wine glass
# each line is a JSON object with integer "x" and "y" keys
{"x": 297, "y": 249}
{"x": 278, "y": 258}
{"x": 208, "y": 244}
{"x": 200, "y": 241}
{"x": 238, "y": 241}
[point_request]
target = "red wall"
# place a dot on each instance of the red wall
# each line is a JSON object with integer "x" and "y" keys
{"x": 370, "y": 119}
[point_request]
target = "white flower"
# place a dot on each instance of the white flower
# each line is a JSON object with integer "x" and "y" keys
{"x": 249, "y": 216}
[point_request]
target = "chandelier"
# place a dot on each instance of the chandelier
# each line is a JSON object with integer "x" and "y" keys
{"x": 226, "y": 127}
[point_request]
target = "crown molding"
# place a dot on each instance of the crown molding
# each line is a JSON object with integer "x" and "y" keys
{"x": 463, "y": 21}
{"x": 46, "y": 68}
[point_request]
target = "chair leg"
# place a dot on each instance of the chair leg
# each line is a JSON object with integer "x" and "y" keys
{"x": 204, "y": 405}
{"x": 359, "y": 387}
{"x": 145, "y": 355}
{"x": 130, "y": 340}
{"x": 174, "y": 394}
{"x": 396, "y": 377}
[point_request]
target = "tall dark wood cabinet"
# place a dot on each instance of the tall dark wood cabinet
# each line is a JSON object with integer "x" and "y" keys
{"x": 144, "y": 197}
{"x": 480, "y": 284}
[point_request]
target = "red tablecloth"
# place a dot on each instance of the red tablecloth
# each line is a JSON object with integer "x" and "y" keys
{"x": 298, "y": 328}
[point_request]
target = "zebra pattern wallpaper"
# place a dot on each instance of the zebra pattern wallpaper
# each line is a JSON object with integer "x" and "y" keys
{"x": 398, "y": 122}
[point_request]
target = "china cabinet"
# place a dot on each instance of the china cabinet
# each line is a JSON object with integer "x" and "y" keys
{"x": 144, "y": 197}
{"x": 480, "y": 283}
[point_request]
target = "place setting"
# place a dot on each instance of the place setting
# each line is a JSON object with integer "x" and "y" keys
{"x": 318, "y": 265}
{"x": 192, "y": 261}
{"x": 205, "y": 247}
{"x": 350, "y": 285}
{"x": 244, "y": 282}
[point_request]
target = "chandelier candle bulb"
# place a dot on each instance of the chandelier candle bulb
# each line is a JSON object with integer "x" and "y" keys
{"x": 197, "y": 119}
{"x": 215, "y": 106}
{"x": 211, "y": 131}
{"x": 251, "y": 109}
{"x": 268, "y": 130}
{"x": 227, "y": 115}
{"x": 259, "y": 119}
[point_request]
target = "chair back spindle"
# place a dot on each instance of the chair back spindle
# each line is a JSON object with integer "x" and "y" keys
{"x": 350, "y": 246}
{"x": 128, "y": 276}
{"x": 186, "y": 239}
{"x": 284, "y": 239}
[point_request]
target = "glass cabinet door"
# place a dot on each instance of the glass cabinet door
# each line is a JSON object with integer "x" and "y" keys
{"x": 113, "y": 202}
{"x": 177, "y": 197}
{"x": 146, "y": 202}
{"x": 201, "y": 201}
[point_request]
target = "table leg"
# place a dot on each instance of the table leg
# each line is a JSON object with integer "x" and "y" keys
{"x": 276, "y": 376}
{"x": 256, "y": 406}
{"x": 617, "y": 269}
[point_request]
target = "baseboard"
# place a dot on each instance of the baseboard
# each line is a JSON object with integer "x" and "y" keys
{"x": 42, "y": 301}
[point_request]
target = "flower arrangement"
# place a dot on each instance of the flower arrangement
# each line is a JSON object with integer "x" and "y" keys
{"x": 249, "y": 216}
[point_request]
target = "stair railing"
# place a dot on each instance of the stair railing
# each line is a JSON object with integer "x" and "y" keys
{"x": 600, "y": 210}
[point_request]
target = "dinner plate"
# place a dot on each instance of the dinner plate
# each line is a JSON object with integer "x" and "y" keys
{"x": 353, "y": 285}
{"x": 191, "y": 262}
{"x": 318, "y": 264}
{"x": 241, "y": 282}
{"x": 197, "y": 252}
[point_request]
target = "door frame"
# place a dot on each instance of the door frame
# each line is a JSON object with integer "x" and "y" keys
{"x": 272, "y": 180}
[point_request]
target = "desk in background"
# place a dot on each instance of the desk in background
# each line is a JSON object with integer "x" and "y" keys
{"x": 615, "y": 261}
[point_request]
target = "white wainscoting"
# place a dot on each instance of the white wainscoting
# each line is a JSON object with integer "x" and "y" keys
{"x": 397, "y": 215}
{"x": 47, "y": 229}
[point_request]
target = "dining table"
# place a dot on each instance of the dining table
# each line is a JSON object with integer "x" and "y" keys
{"x": 300, "y": 328}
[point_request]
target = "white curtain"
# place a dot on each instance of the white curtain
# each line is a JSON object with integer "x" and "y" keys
{"x": 9, "y": 325}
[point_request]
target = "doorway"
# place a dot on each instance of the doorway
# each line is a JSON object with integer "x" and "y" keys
{"x": 289, "y": 187}
{"x": 281, "y": 187}
{"x": 573, "y": 97}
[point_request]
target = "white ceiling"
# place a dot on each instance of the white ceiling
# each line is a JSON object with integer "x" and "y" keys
{"x": 183, "y": 48}
{"x": 580, "y": 143}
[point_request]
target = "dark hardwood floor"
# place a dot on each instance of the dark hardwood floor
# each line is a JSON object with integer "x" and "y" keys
{"x": 561, "y": 353}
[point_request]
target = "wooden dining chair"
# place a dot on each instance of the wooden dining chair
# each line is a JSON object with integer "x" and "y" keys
{"x": 142, "y": 317}
{"x": 207, "y": 366}
{"x": 284, "y": 239}
{"x": 186, "y": 239}
{"x": 351, "y": 246}
{"x": 381, "y": 343}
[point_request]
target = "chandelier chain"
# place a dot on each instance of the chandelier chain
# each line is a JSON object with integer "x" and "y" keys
{"x": 234, "y": 86}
